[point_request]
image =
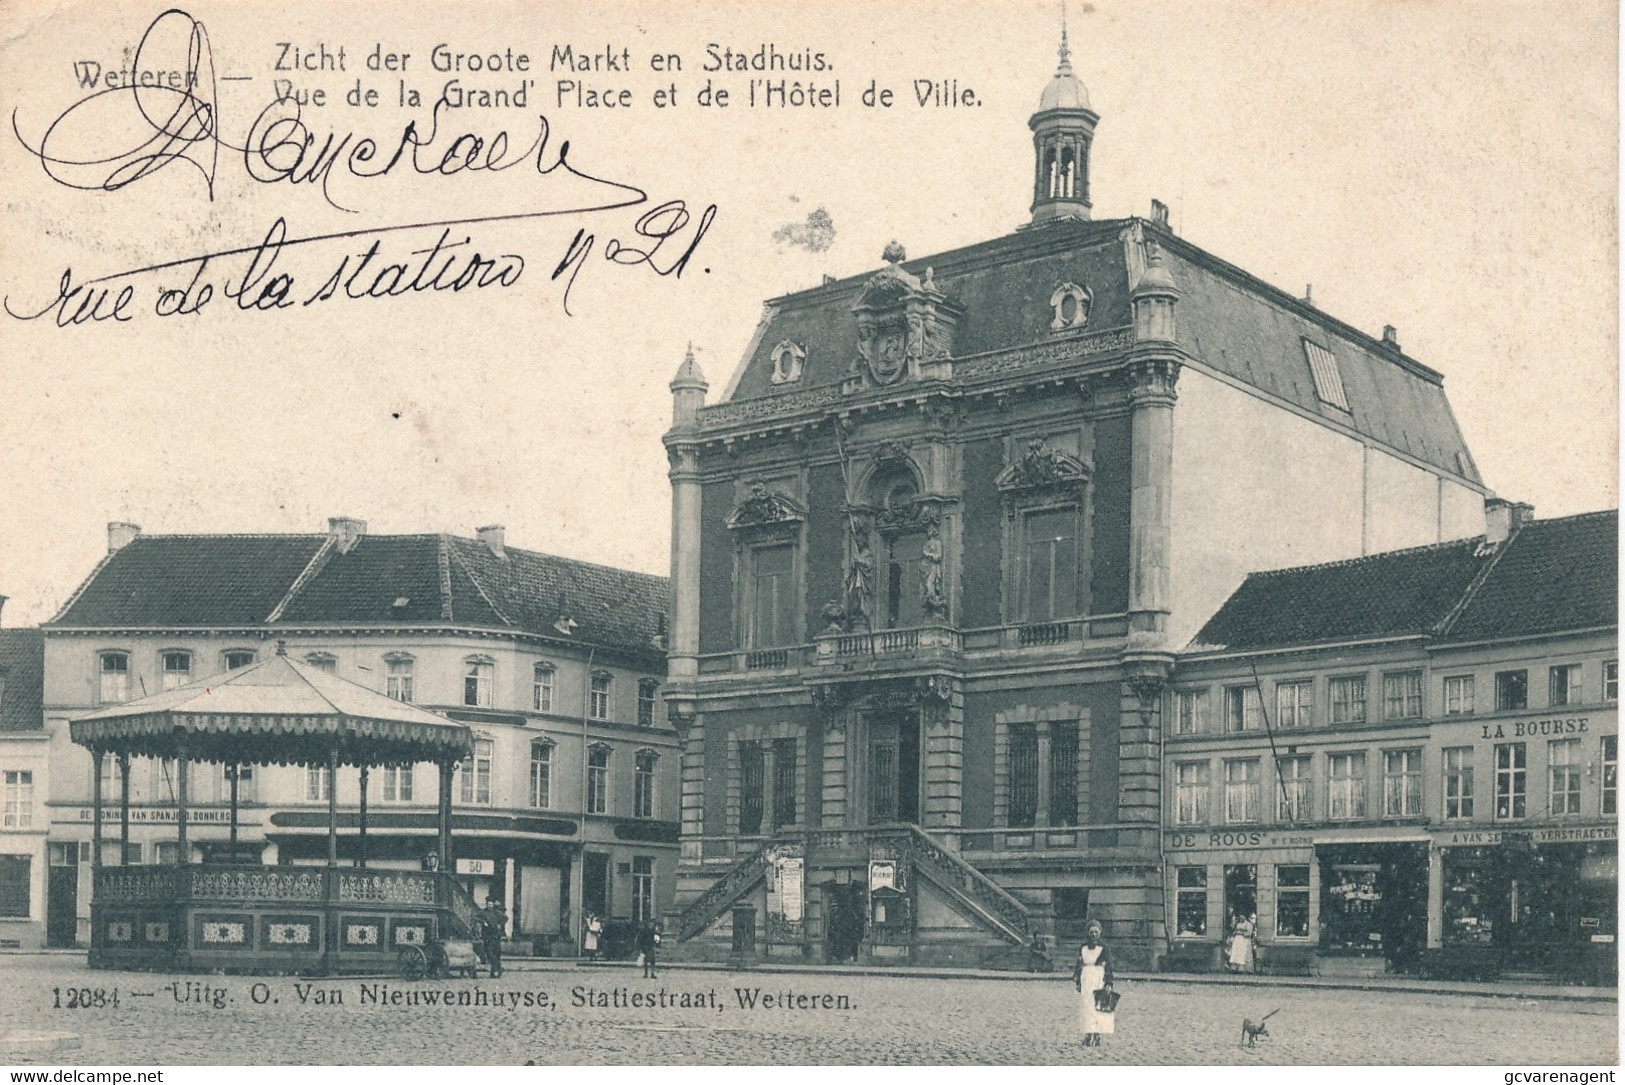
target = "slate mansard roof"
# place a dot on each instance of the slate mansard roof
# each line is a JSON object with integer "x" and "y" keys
{"x": 299, "y": 581}
{"x": 22, "y": 680}
{"x": 1551, "y": 576}
{"x": 1230, "y": 321}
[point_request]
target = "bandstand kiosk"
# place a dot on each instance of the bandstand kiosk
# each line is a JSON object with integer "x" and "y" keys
{"x": 241, "y": 917}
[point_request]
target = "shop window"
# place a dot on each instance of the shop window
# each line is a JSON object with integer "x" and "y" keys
{"x": 1293, "y": 701}
{"x": 474, "y": 775}
{"x": 541, "y": 775}
{"x": 1191, "y": 901}
{"x": 1402, "y": 695}
{"x": 1458, "y": 695}
{"x": 1241, "y": 791}
{"x": 1610, "y": 681}
{"x": 598, "y": 696}
{"x": 1345, "y": 785}
{"x": 1348, "y": 698}
{"x": 1511, "y": 691}
{"x": 177, "y": 670}
{"x": 1563, "y": 685}
{"x": 398, "y": 677}
{"x": 541, "y": 686}
{"x": 1402, "y": 783}
{"x": 643, "y": 784}
{"x": 1458, "y": 782}
{"x": 784, "y": 782}
{"x": 477, "y": 675}
{"x": 1191, "y": 793}
{"x": 1063, "y": 773}
{"x": 1610, "y": 774}
{"x": 1050, "y": 555}
{"x": 646, "y": 701}
{"x": 19, "y": 800}
{"x": 1292, "y": 901}
{"x": 1295, "y": 804}
{"x": 1351, "y": 900}
{"x": 398, "y": 783}
{"x": 1511, "y": 780}
{"x": 1241, "y": 708}
{"x": 1240, "y": 895}
{"x": 1190, "y": 712}
{"x": 1470, "y": 895}
{"x": 643, "y": 889}
{"x": 1023, "y": 775}
{"x": 771, "y": 607}
{"x": 15, "y": 889}
{"x": 1563, "y": 761}
{"x": 238, "y": 659}
{"x": 115, "y": 677}
{"x": 752, "y": 787}
{"x": 318, "y": 783}
{"x": 166, "y": 853}
{"x": 598, "y": 779}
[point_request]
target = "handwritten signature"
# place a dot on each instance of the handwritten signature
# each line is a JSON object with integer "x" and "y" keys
{"x": 137, "y": 130}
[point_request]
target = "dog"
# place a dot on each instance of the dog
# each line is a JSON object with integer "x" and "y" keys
{"x": 1252, "y": 1030}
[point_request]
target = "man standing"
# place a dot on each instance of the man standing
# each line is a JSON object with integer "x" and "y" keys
{"x": 494, "y": 924}
{"x": 648, "y": 948}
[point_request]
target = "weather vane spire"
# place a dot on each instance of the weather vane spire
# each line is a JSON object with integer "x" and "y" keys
{"x": 1066, "y": 54}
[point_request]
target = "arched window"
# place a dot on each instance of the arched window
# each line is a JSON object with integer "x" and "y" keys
{"x": 176, "y": 669}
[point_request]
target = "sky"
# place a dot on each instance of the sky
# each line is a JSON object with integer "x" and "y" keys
{"x": 1447, "y": 168}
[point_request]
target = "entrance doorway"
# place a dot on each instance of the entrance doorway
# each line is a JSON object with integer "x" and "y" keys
{"x": 848, "y": 905}
{"x": 894, "y": 767}
{"x": 595, "y": 884}
{"x": 62, "y": 896}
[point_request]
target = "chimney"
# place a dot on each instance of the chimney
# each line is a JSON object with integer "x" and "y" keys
{"x": 120, "y": 535}
{"x": 1159, "y": 214}
{"x": 1503, "y": 518}
{"x": 346, "y": 531}
{"x": 1309, "y": 293}
{"x": 1390, "y": 337}
{"x": 492, "y": 536}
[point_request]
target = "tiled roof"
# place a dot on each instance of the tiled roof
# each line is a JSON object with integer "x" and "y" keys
{"x": 1551, "y": 576}
{"x": 1400, "y": 593}
{"x": 22, "y": 670}
{"x": 207, "y": 581}
{"x": 1230, "y": 321}
{"x": 1556, "y": 575}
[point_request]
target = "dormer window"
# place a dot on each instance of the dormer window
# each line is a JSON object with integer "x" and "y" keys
{"x": 1328, "y": 380}
{"x": 325, "y": 662}
{"x": 237, "y": 658}
{"x": 115, "y": 677}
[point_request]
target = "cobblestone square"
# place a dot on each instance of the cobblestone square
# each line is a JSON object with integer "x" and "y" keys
{"x": 569, "y": 1015}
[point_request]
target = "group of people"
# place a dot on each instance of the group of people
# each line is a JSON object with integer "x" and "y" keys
{"x": 647, "y": 943}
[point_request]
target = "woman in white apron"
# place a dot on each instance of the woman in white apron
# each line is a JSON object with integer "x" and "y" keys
{"x": 1241, "y": 956}
{"x": 1093, "y": 973}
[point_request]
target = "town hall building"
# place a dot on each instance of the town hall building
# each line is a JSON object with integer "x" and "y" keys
{"x": 938, "y": 540}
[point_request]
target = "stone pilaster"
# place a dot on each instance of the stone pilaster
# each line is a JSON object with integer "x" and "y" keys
{"x": 692, "y": 778}
{"x": 1139, "y": 765}
{"x": 832, "y": 707}
{"x": 1151, "y": 398}
{"x": 944, "y": 720}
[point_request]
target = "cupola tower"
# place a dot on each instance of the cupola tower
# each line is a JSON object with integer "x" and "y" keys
{"x": 1063, "y": 128}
